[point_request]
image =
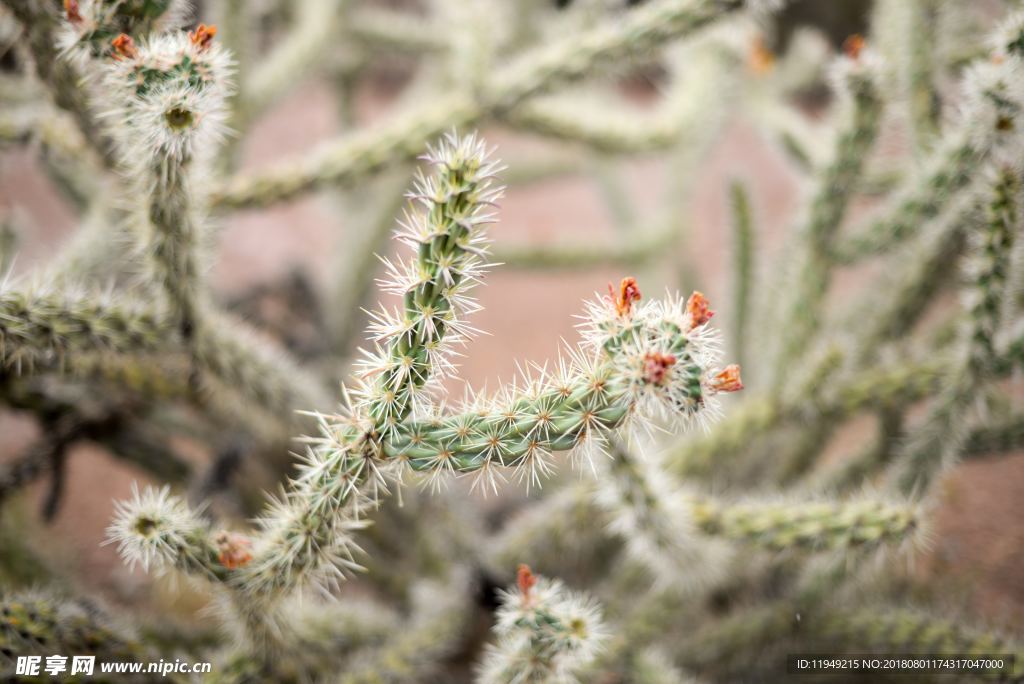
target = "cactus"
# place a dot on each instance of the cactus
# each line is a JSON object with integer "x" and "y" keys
{"x": 42, "y": 327}
{"x": 637, "y": 362}
{"x": 545, "y": 633}
{"x": 39, "y": 623}
{"x": 706, "y": 533}
{"x": 857, "y": 84}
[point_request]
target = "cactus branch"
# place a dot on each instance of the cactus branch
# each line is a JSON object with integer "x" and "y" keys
{"x": 937, "y": 444}
{"x": 826, "y": 525}
{"x": 828, "y": 207}
{"x": 42, "y": 327}
{"x": 545, "y": 633}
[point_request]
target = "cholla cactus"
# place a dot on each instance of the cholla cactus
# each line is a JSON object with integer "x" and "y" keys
{"x": 170, "y": 93}
{"x": 638, "y": 362}
{"x": 42, "y": 624}
{"x": 545, "y": 632}
{"x": 445, "y": 232}
{"x": 711, "y": 535}
{"x": 157, "y": 529}
{"x": 92, "y": 27}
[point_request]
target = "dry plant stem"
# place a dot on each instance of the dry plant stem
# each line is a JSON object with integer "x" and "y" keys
{"x": 355, "y": 156}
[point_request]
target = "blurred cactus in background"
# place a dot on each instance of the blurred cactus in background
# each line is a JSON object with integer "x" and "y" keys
{"x": 701, "y": 537}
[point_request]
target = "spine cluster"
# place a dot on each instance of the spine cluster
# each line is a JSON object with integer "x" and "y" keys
{"x": 546, "y": 633}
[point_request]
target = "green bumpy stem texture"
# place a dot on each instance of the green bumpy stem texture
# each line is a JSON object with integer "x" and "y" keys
{"x": 825, "y": 525}
{"x": 907, "y": 631}
{"x": 303, "y": 532}
{"x": 36, "y": 624}
{"x": 446, "y": 261}
{"x": 558, "y": 418}
{"x": 742, "y": 265}
{"x": 41, "y": 327}
{"x": 174, "y": 241}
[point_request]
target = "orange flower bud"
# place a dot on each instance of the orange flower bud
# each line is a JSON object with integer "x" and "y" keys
{"x": 233, "y": 550}
{"x": 202, "y": 37}
{"x": 525, "y": 579}
{"x": 72, "y": 12}
{"x": 761, "y": 59}
{"x": 699, "y": 309}
{"x": 656, "y": 367}
{"x": 854, "y": 45}
{"x": 728, "y": 380}
{"x": 124, "y": 47}
{"x": 629, "y": 292}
